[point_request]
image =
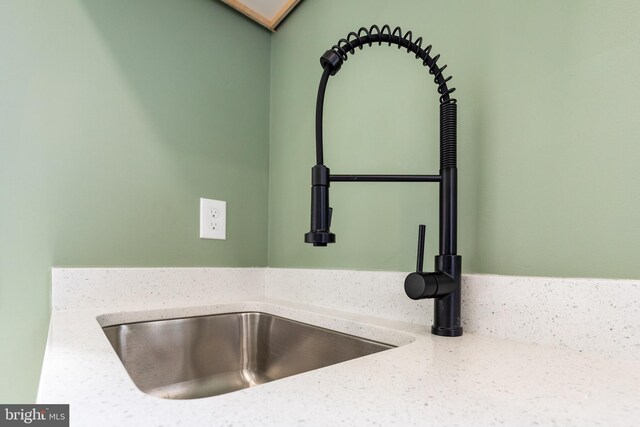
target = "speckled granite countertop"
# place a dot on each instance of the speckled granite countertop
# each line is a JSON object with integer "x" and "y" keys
{"x": 427, "y": 380}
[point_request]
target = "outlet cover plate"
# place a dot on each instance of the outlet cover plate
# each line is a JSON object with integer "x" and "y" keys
{"x": 213, "y": 219}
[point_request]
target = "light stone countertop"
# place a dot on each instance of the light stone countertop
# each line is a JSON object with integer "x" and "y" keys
{"x": 427, "y": 380}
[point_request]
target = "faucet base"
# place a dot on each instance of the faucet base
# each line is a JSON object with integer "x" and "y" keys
{"x": 456, "y": 331}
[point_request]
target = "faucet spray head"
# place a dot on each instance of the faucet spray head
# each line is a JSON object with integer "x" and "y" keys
{"x": 321, "y": 213}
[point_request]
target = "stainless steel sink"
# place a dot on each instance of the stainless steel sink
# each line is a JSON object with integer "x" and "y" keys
{"x": 205, "y": 356}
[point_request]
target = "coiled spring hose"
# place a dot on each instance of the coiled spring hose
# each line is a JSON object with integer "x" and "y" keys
{"x": 333, "y": 59}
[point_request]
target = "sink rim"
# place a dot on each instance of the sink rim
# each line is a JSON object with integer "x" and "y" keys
{"x": 395, "y": 332}
{"x": 391, "y": 346}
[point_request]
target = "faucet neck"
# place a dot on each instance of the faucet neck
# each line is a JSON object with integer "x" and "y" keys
{"x": 319, "y": 112}
{"x": 332, "y": 60}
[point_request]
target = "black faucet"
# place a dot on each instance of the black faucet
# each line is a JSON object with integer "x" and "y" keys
{"x": 444, "y": 284}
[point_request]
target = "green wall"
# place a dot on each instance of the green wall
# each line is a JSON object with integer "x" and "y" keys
{"x": 115, "y": 118}
{"x": 548, "y": 135}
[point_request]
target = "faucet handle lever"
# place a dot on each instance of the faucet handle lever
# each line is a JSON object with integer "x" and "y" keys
{"x": 420, "y": 260}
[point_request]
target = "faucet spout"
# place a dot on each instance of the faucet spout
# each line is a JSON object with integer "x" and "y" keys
{"x": 444, "y": 283}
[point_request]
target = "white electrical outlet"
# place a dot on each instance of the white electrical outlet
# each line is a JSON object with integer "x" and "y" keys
{"x": 213, "y": 219}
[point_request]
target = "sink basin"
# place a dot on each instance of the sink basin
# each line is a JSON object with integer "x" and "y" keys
{"x": 211, "y": 355}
